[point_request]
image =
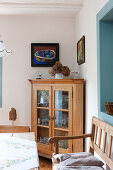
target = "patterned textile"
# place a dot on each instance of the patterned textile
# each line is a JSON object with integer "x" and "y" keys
{"x": 17, "y": 154}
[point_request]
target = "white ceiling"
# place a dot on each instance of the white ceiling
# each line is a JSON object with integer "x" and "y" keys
{"x": 61, "y": 7}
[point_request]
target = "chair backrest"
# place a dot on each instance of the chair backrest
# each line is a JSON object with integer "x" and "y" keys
{"x": 101, "y": 140}
{"x": 13, "y": 129}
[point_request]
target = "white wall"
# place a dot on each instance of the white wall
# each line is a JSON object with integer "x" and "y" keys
{"x": 86, "y": 25}
{"x": 18, "y": 32}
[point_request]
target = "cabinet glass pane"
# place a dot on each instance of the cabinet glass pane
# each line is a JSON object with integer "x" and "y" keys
{"x": 61, "y": 100}
{"x": 61, "y": 119}
{"x": 43, "y": 117}
{"x": 62, "y": 143}
{"x": 43, "y": 98}
{"x": 43, "y": 135}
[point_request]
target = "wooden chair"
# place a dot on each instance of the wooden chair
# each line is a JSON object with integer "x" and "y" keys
{"x": 98, "y": 140}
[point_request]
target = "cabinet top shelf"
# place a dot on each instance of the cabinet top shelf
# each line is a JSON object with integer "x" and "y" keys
{"x": 56, "y": 81}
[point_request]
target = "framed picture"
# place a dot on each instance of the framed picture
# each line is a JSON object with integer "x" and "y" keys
{"x": 81, "y": 51}
{"x": 44, "y": 54}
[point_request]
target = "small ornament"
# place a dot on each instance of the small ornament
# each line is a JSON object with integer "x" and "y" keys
{"x": 38, "y": 75}
{"x": 39, "y": 121}
{"x": 12, "y": 114}
{"x": 75, "y": 74}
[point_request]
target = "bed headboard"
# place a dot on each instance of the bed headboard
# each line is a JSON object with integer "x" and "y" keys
{"x": 14, "y": 129}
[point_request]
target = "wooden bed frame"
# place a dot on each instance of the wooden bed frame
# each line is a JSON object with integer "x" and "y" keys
{"x": 14, "y": 129}
{"x": 98, "y": 140}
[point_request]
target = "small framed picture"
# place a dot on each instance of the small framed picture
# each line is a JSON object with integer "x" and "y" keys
{"x": 44, "y": 54}
{"x": 81, "y": 51}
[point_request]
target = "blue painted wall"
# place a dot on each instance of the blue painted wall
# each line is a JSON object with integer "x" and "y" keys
{"x": 105, "y": 59}
{"x": 106, "y": 63}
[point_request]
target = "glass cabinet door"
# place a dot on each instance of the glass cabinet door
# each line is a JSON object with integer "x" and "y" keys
{"x": 61, "y": 109}
{"x": 43, "y": 107}
{"x": 43, "y": 111}
{"x": 62, "y": 114}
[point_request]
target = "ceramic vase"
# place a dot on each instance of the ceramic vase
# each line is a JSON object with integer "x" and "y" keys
{"x": 58, "y": 76}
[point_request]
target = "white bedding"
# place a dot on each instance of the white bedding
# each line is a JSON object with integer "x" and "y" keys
{"x": 17, "y": 154}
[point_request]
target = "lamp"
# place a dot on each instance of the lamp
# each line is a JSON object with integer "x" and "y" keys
{"x": 3, "y": 50}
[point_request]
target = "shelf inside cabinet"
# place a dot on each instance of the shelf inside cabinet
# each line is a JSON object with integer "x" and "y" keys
{"x": 61, "y": 129}
{"x": 42, "y": 143}
{"x": 43, "y": 108}
{"x": 63, "y": 110}
{"x": 43, "y": 126}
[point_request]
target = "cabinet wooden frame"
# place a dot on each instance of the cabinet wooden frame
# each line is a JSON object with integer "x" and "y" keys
{"x": 74, "y": 87}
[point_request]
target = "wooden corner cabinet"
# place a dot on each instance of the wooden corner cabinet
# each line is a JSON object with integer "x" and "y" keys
{"x": 57, "y": 110}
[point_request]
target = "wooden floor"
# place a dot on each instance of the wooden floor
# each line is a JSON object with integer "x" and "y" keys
{"x": 45, "y": 164}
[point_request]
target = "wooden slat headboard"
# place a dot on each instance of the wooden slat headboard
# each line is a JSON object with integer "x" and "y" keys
{"x": 14, "y": 129}
{"x": 100, "y": 131}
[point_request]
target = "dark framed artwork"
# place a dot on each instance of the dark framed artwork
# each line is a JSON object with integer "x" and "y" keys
{"x": 81, "y": 51}
{"x": 44, "y": 54}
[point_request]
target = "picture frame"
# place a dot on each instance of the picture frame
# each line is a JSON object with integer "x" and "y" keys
{"x": 44, "y": 54}
{"x": 81, "y": 51}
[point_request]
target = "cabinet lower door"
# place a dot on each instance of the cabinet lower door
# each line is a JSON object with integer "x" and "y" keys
{"x": 42, "y": 118}
{"x": 62, "y": 115}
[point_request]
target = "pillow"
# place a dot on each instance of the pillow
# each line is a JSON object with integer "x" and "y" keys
{"x": 80, "y": 159}
{"x": 63, "y": 157}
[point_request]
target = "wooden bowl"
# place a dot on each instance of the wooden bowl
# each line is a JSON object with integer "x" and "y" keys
{"x": 109, "y": 108}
